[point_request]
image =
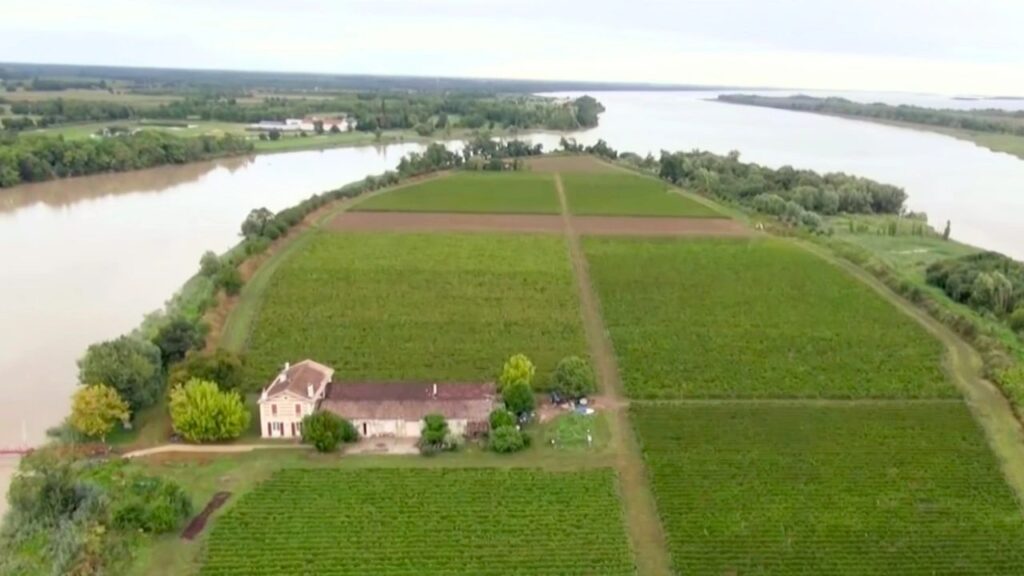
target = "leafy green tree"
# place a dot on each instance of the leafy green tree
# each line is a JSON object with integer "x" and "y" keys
{"x": 230, "y": 280}
{"x": 946, "y": 231}
{"x": 209, "y": 264}
{"x": 436, "y": 436}
{"x": 574, "y": 378}
{"x": 501, "y": 417}
{"x": 518, "y": 398}
{"x": 222, "y": 367}
{"x": 325, "y": 430}
{"x": 518, "y": 368}
{"x": 129, "y": 365}
{"x": 176, "y": 338}
{"x": 1016, "y": 320}
{"x": 200, "y": 412}
{"x": 257, "y": 222}
{"x": 96, "y": 409}
{"x": 506, "y": 439}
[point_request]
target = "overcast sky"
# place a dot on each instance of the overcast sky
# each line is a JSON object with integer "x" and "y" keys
{"x": 946, "y": 46}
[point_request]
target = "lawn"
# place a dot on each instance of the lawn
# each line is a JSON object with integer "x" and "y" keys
{"x": 893, "y": 488}
{"x": 521, "y": 193}
{"x": 441, "y": 307}
{"x": 391, "y": 522}
{"x": 754, "y": 319}
{"x": 629, "y": 195}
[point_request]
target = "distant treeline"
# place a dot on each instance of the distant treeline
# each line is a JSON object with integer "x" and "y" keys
{"x": 999, "y": 121}
{"x": 72, "y": 76}
{"x": 60, "y": 111}
{"x": 37, "y": 158}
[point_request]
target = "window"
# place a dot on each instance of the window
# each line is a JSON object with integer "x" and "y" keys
{"x": 273, "y": 409}
{"x": 298, "y": 409}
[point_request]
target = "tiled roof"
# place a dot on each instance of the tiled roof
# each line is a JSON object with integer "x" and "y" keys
{"x": 298, "y": 377}
{"x": 409, "y": 401}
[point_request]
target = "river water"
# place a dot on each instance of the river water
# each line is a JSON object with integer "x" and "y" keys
{"x": 84, "y": 259}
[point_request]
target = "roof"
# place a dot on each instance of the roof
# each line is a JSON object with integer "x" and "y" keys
{"x": 409, "y": 401}
{"x": 298, "y": 377}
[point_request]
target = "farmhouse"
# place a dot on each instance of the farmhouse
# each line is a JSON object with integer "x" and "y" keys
{"x": 377, "y": 409}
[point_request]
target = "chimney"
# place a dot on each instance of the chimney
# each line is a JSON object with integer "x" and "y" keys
{"x": 309, "y": 390}
{"x": 435, "y": 390}
{"x": 287, "y": 365}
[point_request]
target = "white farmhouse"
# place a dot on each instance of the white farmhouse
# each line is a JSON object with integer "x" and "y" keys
{"x": 377, "y": 409}
{"x": 293, "y": 395}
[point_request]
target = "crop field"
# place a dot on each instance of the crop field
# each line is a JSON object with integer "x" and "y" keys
{"x": 628, "y": 195}
{"x": 721, "y": 318}
{"x": 884, "y": 488}
{"x": 396, "y": 522}
{"x": 441, "y": 307}
{"x": 470, "y": 192}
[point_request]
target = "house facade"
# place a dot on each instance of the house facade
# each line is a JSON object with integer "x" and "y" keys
{"x": 376, "y": 409}
{"x": 294, "y": 394}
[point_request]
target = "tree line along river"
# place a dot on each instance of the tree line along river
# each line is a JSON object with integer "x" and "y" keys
{"x": 85, "y": 259}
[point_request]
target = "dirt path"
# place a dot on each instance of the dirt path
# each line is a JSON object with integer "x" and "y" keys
{"x": 988, "y": 405}
{"x": 210, "y": 449}
{"x": 642, "y": 521}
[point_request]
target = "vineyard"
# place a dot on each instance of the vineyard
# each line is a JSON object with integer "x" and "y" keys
{"x": 521, "y": 193}
{"x": 893, "y": 488}
{"x": 447, "y": 307}
{"x": 628, "y": 195}
{"x": 754, "y": 319}
{"x": 394, "y": 522}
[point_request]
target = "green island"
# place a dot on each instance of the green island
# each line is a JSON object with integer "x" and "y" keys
{"x": 997, "y": 130}
{"x": 784, "y": 373}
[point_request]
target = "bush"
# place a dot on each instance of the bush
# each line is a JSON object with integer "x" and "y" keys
{"x": 436, "y": 436}
{"x": 176, "y": 338}
{"x": 500, "y": 418}
{"x": 1016, "y": 320}
{"x": 221, "y": 367}
{"x": 96, "y": 409}
{"x": 518, "y": 368}
{"x": 518, "y": 398}
{"x": 230, "y": 280}
{"x": 209, "y": 264}
{"x": 325, "y": 430}
{"x": 573, "y": 377}
{"x": 506, "y": 439}
{"x": 200, "y": 412}
{"x": 151, "y": 505}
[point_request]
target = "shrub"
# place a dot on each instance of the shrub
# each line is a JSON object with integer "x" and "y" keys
{"x": 176, "y": 338}
{"x": 209, "y": 264}
{"x": 573, "y": 377}
{"x": 230, "y": 280}
{"x": 1016, "y": 320}
{"x": 325, "y": 430}
{"x": 151, "y": 505}
{"x": 129, "y": 365}
{"x": 222, "y": 367}
{"x": 506, "y": 439}
{"x": 518, "y": 368}
{"x": 500, "y": 418}
{"x": 95, "y": 409}
{"x": 200, "y": 412}
{"x": 518, "y": 398}
{"x": 436, "y": 436}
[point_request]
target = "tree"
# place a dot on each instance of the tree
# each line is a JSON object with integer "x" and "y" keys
{"x": 200, "y": 412}
{"x": 501, "y": 417}
{"x": 325, "y": 430}
{"x": 435, "y": 436}
{"x": 945, "y": 233}
{"x": 334, "y": 129}
{"x": 257, "y": 222}
{"x": 518, "y": 368}
{"x": 209, "y": 264}
{"x": 176, "y": 338}
{"x": 518, "y": 398}
{"x": 222, "y": 367}
{"x": 1017, "y": 319}
{"x": 573, "y": 377}
{"x": 506, "y": 439}
{"x": 129, "y": 365}
{"x": 229, "y": 279}
{"x": 95, "y": 409}
{"x": 274, "y": 135}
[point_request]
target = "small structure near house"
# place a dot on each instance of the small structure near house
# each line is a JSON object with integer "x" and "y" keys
{"x": 377, "y": 409}
{"x": 294, "y": 394}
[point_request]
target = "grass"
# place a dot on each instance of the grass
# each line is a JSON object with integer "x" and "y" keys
{"x": 404, "y": 522}
{"x": 889, "y": 488}
{"x": 474, "y": 193}
{"x": 629, "y": 195}
{"x": 418, "y": 306}
{"x": 569, "y": 432}
{"x": 754, "y": 319}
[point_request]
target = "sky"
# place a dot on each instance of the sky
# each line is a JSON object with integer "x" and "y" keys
{"x": 966, "y": 47}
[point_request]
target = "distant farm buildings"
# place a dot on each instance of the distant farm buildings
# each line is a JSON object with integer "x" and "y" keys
{"x": 307, "y": 124}
{"x": 392, "y": 409}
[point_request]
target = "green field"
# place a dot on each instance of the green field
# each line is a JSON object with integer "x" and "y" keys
{"x": 893, "y": 488}
{"x": 629, "y": 195}
{"x": 419, "y": 306}
{"x": 754, "y": 318}
{"x": 473, "y": 193}
{"x": 391, "y": 522}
